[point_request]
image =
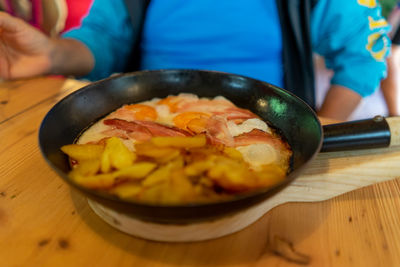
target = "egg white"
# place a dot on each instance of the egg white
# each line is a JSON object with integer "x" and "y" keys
{"x": 257, "y": 155}
{"x": 247, "y": 126}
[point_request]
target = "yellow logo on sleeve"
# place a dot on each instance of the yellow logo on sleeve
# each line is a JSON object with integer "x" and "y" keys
{"x": 367, "y": 3}
{"x": 372, "y": 41}
{"x": 374, "y": 24}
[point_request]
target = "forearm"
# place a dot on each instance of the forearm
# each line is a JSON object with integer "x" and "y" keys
{"x": 339, "y": 103}
{"x": 107, "y": 32}
{"x": 389, "y": 90}
{"x": 69, "y": 57}
{"x": 391, "y": 85}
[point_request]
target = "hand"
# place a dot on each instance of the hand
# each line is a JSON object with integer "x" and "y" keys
{"x": 24, "y": 50}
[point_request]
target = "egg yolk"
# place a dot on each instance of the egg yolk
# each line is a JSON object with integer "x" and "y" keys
{"x": 143, "y": 112}
{"x": 192, "y": 120}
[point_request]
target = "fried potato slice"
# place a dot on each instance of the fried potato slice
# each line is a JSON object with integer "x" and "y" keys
{"x": 233, "y": 153}
{"x": 136, "y": 171}
{"x": 158, "y": 176}
{"x": 116, "y": 155}
{"x": 173, "y": 189}
{"x": 163, "y": 173}
{"x": 150, "y": 150}
{"x": 107, "y": 180}
{"x": 105, "y": 163}
{"x": 236, "y": 176}
{"x": 83, "y": 151}
{"x": 178, "y": 190}
{"x": 231, "y": 175}
{"x": 88, "y": 167}
{"x": 198, "y": 167}
{"x": 127, "y": 190}
{"x": 104, "y": 180}
{"x": 180, "y": 141}
{"x": 271, "y": 174}
{"x": 152, "y": 194}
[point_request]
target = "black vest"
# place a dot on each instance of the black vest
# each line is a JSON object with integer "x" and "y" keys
{"x": 295, "y": 16}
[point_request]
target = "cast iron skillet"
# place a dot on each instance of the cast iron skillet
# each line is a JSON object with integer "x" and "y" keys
{"x": 290, "y": 115}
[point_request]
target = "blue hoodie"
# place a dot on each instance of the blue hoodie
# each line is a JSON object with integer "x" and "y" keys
{"x": 236, "y": 37}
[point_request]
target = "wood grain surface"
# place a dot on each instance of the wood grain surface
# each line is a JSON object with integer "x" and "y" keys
{"x": 44, "y": 223}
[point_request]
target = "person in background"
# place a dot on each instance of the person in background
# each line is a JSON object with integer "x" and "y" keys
{"x": 372, "y": 105}
{"x": 224, "y": 35}
{"x": 391, "y": 85}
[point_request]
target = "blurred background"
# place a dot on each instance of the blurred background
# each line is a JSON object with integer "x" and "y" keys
{"x": 57, "y": 16}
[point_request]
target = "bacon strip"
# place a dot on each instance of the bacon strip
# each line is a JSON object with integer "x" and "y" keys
{"x": 234, "y": 113}
{"x": 206, "y": 105}
{"x": 217, "y": 131}
{"x": 259, "y": 137}
{"x": 128, "y": 126}
{"x": 143, "y": 128}
{"x": 158, "y": 129}
{"x": 114, "y": 132}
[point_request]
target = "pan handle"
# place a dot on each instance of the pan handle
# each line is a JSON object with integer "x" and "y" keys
{"x": 363, "y": 134}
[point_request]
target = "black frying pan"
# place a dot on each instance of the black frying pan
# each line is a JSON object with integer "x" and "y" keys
{"x": 294, "y": 119}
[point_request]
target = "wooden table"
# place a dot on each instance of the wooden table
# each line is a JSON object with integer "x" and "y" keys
{"x": 44, "y": 223}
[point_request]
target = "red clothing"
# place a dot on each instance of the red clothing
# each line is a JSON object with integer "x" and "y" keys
{"x": 77, "y": 10}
